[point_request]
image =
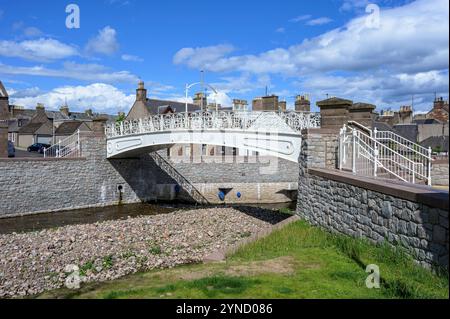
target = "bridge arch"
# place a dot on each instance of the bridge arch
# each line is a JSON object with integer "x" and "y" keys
{"x": 271, "y": 133}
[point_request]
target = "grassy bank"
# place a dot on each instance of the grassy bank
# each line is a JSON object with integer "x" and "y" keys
{"x": 298, "y": 261}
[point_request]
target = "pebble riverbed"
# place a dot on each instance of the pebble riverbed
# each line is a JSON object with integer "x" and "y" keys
{"x": 31, "y": 263}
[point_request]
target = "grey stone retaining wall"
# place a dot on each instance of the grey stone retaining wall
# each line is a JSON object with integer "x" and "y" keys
{"x": 377, "y": 213}
{"x": 237, "y": 170}
{"x": 37, "y": 185}
{"x": 439, "y": 173}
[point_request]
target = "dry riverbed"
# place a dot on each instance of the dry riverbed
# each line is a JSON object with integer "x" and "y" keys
{"x": 31, "y": 263}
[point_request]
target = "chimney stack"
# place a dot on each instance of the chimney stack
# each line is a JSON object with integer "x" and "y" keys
{"x": 302, "y": 103}
{"x": 64, "y": 110}
{"x": 141, "y": 92}
{"x": 89, "y": 113}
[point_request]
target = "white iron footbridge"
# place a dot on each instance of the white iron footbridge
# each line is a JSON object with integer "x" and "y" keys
{"x": 272, "y": 133}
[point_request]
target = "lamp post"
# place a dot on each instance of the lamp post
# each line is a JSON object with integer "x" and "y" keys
{"x": 189, "y": 86}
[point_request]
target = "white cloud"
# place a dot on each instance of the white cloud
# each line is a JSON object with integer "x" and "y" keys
{"x": 380, "y": 88}
{"x": 220, "y": 98}
{"x": 32, "y": 32}
{"x": 206, "y": 57}
{"x": 280, "y": 30}
{"x": 99, "y": 97}
{"x": 104, "y": 43}
{"x": 131, "y": 58}
{"x": 43, "y": 49}
{"x": 349, "y": 5}
{"x": 319, "y": 21}
{"x": 28, "y": 92}
{"x": 300, "y": 18}
{"x": 411, "y": 38}
{"x": 407, "y": 54}
{"x": 70, "y": 70}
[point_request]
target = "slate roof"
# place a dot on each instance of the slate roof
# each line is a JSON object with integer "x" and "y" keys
{"x": 13, "y": 125}
{"x": 381, "y": 126}
{"x": 435, "y": 141}
{"x": 68, "y": 128}
{"x": 408, "y": 131}
{"x": 30, "y": 128}
{"x": 153, "y": 105}
{"x": 426, "y": 121}
{"x": 334, "y": 101}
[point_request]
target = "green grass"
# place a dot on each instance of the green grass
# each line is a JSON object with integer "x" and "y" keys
{"x": 298, "y": 261}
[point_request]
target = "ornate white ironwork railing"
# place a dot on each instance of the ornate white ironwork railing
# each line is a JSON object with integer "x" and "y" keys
{"x": 69, "y": 147}
{"x": 367, "y": 156}
{"x": 210, "y": 120}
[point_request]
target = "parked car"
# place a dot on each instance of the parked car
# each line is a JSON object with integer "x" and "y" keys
{"x": 37, "y": 147}
{"x": 11, "y": 149}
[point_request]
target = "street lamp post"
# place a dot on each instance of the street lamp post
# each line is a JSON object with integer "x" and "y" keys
{"x": 186, "y": 91}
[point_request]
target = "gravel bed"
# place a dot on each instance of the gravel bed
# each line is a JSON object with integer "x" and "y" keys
{"x": 31, "y": 263}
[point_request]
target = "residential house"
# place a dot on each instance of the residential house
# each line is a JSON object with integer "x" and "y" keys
{"x": 439, "y": 111}
{"x": 68, "y": 128}
{"x": 145, "y": 107}
{"x": 39, "y": 130}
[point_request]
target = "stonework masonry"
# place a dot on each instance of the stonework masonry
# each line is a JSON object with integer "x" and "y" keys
{"x": 439, "y": 173}
{"x": 36, "y": 185}
{"x": 416, "y": 218}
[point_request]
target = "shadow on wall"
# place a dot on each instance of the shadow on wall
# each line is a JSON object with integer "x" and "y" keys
{"x": 148, "y": 181}
{"x": 289, "y": 193}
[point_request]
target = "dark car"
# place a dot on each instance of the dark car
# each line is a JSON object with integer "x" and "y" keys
{"x": 37, "y": 147}
{"x": 11, "y": 149}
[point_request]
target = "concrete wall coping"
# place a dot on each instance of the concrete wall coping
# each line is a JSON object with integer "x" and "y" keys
{"x": 415, "y": 193}
{"x": 322, "y": 131}
{"x": 40, "y": 159}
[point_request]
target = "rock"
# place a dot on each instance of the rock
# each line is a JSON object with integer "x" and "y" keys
{"x": 113, "y": 249}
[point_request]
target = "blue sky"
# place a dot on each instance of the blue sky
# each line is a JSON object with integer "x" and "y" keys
{"x": 293, "y": 47}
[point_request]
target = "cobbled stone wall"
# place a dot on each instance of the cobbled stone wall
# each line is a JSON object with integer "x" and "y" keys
{"x": 439, "y": 173}
{"x": 236, "y": 169}
{"x": 362, "y": 212}
{"x": 37, "y": 185}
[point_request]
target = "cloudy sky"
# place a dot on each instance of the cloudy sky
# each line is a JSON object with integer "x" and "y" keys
{"x": 383, "y": 52}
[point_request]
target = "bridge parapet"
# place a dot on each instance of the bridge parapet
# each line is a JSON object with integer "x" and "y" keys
{"x": 295, "y": 122}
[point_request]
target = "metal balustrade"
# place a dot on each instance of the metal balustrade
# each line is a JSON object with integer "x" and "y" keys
{"x": 382, "y": 154}
{"x": 68, "y": 147}
{"x": 180, "y": 179}
{"x": 213, "y": 121}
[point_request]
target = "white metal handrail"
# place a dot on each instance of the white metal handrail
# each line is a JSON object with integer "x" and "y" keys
{"x": 370, "y": 157}
{"x": 297, "y": 121}
{"x": 405, "y": 143}
{"x": 68, "y": 147}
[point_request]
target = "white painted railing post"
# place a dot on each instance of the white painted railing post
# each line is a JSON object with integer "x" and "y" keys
{"x": 429, "y": 166}
{"x": 354, "y": 151}
{"x": 341, "y": 151}
{"x": 141, "y": 127}
{"x": 78, "y": 143}
{"x": 375, "y": 153}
